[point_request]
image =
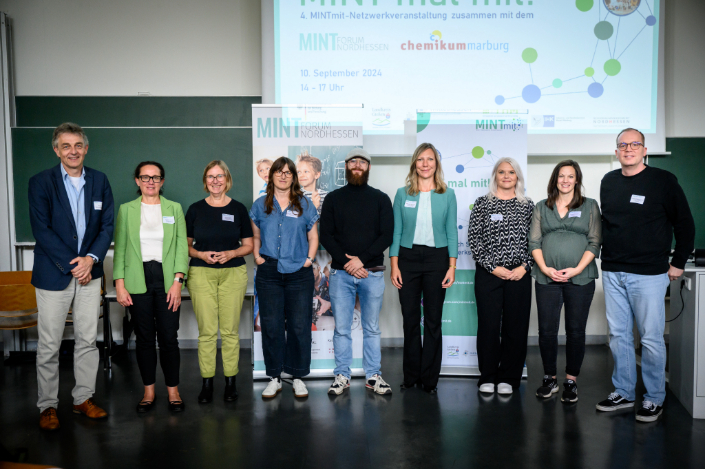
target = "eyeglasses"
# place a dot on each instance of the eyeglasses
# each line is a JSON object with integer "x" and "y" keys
{"x": 219, "y": 177}
{"x": 286, "y": 174}
{"x": 358, "y": 162}
{"x": 634, "y": 145}
{"x": 145, "y": 178}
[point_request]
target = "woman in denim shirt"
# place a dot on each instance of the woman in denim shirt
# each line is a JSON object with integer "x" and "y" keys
{"x": 284, "y": 223}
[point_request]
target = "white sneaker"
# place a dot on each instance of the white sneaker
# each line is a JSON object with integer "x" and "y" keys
{"x": 487, "y": 387}
{"x": 340, "y": 384}
{"x": 504, "y": 388}
{"x": 378, "y": 385}
{"x": 300, "y": 388}
{"x": 273, "y": 388}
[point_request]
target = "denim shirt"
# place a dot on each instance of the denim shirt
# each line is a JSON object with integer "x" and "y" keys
{"x": 284, "y": 234}
{"x": 78, "y": 205}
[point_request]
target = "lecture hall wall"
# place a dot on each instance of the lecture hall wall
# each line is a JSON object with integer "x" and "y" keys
{"x": 213, "y": 47}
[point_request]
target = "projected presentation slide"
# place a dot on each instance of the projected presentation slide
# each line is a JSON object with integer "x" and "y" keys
{"x": 578, "y": 66}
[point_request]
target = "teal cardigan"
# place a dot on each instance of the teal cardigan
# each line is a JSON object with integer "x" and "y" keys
{"x": 444, "y": 210}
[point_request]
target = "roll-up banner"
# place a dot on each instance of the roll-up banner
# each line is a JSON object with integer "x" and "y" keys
{"x": 469, "y": 143}
{"x": 317, "y": 138}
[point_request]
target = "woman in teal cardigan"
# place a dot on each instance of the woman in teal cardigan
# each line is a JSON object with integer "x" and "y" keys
{"x": 151, "y": 260}
{"x": 423, "y": 256}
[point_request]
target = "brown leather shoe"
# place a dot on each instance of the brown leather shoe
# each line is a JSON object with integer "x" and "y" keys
{"x": 90, "y": 410}
{"x": 48, "y": 420}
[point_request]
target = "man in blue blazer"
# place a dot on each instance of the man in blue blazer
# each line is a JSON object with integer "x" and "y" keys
{"x": 71, "y": 212}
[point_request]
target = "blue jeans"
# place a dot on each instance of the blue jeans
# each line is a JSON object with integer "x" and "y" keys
{"x": 343, "y": 288}
{"x": 640, "y": 297}
{"x": 285, "y": 310}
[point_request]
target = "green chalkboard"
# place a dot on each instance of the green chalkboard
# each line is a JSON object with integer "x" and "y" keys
{"x": 687, "y": 162}
{"x": 116, "y": 151}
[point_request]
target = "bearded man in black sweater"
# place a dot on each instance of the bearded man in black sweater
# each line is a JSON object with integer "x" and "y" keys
{"x": 357, "y": 225}
{"x": 642, "y": 209}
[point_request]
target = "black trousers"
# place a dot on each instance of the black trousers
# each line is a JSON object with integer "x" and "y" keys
{"x": 549, "y": 302}
{"x": 152, "y": 320}
{"x": 423, "y": 269}
{"x": 503, "y": 307}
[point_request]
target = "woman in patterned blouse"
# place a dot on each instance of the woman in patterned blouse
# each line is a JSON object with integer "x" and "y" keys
{"x": 498, "y": 238}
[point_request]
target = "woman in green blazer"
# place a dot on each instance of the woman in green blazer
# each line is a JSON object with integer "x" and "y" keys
{"x": 151, "y": 259}
{"x": 423, "y": 255}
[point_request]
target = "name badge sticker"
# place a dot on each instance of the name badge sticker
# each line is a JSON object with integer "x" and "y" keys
{"x": 496, "y": 217}
{"x": 97, "y": 205}
{"x": 227, "y": 217}
{"x": 168, "y": 220}
{"x": 638, "y": 199}
{"x": 574, "y": 214}
{"x": 292, "y": 213}
{"x": 410, "y": 204}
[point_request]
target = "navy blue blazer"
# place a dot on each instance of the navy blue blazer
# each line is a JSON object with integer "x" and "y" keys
{"x": 54, "y": 228}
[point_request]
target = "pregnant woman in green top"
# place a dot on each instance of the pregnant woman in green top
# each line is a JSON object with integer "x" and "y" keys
{"x": 564, "y": 239}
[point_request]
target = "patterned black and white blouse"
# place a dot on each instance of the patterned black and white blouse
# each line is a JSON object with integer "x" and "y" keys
{"x": 498, "y": 232}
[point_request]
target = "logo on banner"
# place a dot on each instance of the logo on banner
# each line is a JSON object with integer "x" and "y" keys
{"x": 498, "y": 125}
{"x": 382, "y": 116}
{"x": 453, "y": 350}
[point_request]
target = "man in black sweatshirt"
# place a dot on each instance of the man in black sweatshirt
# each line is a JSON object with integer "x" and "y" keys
{"x": 357, "y": 224}
{"x": 642, "y": 209}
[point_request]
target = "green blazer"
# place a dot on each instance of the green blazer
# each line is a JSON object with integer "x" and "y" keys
{"x": 444, "y": 214}
{"x": 127, "y": 263}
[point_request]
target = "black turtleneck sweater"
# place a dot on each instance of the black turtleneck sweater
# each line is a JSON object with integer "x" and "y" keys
{"x": 359, "y": 221}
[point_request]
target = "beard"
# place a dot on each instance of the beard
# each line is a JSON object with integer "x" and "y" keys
{"x": 356, "y": 180}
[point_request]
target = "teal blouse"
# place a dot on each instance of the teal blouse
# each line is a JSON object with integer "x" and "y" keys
{"x": 423, "y": 234}
{"x": 563, "y": 241}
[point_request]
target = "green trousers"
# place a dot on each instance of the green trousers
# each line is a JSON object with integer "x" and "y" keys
{"x": 217, "y": 296}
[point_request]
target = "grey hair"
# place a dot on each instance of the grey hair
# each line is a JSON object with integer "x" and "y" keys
{"x": 68, "y": 128}
{"x": 519, "y": 190}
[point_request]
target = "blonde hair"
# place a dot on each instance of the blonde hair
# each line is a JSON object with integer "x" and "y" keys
{"x": 226, "y": 171}
{"x": 412, "y": 179}
{"x": 263, "y": 160}
{"x": 518, "y": 190}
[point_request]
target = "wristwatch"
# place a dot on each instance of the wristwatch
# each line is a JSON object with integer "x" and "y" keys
{"x": 310, "y": 259}
{"x": 179, "y": 279}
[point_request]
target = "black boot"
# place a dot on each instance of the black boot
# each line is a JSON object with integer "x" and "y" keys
{"x": 206, "y": 395}
{"x": 230, "y": 389}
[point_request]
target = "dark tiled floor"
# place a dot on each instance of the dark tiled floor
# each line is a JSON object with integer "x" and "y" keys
{"x": 456, "y": 428}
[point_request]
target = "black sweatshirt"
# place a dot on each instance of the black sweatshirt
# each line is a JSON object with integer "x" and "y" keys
{"x": 640, "y": 216}
{"x": 359, "y": 221}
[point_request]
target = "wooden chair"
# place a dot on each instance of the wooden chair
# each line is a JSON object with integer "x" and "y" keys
{"x": 18, "y": 301}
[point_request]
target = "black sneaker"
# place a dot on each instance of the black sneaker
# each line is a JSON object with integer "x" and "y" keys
{"x": 649, "y": 412}
{"x": 570, "y": 391}
{"x": 614, "y": 402}
{"x": 548, "y": 388}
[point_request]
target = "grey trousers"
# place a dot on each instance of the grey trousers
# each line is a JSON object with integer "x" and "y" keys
{"x": 84, "y": 301}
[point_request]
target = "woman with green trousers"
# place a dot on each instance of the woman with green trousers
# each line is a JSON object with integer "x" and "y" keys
{"x": 423, "y": 255}
{"x": 151, "y": 258}
{"x": 217, "y": 281}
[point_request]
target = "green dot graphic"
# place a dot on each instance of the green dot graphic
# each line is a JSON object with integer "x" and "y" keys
{"x": 557, "y": 83}
{"x": 471, "y": 206}
{"x": 478, "y": 152}
{"x": 589, "y": 72}
{"x": 489, "y": 152}
{"x": 612, "y": 67}
{"x": 584, "y": 5}
{"x": 604, "y": 30}
{"x": 529, "y": 55}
